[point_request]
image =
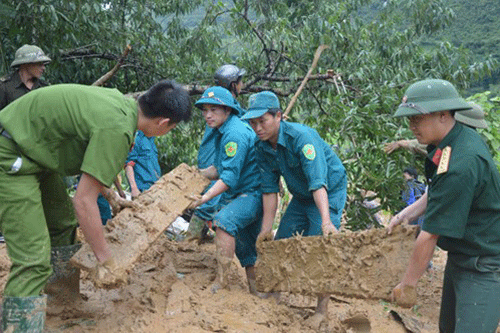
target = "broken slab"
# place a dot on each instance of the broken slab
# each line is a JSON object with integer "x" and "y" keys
{"x": 363, "y": 264}
{"x": 131, "y": 231}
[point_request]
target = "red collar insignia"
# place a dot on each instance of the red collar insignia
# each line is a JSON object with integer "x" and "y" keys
{"x": 437, "y": 156}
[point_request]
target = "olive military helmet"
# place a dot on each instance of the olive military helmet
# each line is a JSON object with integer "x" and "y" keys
{"x": 473, "y": 117}
{"x": 430, "y": 96}
{"x": 29, "y": 54}
{"x": 217, "y": 96}
{"x": 227, "y": 74}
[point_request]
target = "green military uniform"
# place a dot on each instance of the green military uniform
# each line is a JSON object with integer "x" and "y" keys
{"x": 464, "y": 210}
{"x": 61, "y": 129}
{"x": 11, "y": 88}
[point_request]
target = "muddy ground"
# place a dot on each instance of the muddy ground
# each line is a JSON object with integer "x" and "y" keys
{"x": 169, "y": 291}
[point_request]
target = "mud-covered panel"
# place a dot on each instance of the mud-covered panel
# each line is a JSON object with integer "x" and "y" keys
{"x": 366, "y": 264}
{"x": 131, "y": 232}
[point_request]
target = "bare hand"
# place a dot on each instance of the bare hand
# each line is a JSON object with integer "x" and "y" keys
{"x": 135, "y": 192}
{"x": 108, "y": 275}
{"x": 404, "y": 295}
{"x": 265, "y": 236}
{"x": 328, "y": 229}
{"x": 118, "y": 204}
{"x": 391, "y": 146}
{"x": 396, "y": 220}
{"x": 197, "y": 201}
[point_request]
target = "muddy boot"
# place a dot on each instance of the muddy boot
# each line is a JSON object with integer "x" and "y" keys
{"x": 195, "y": 228}
{"x": 222, "y": 278}
{"x": 63, "y": 286}
{"x": 207, "y": 235}
{"x": 23, "y": 314}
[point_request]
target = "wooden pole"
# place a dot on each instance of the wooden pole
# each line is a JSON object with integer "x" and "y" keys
{"x": 306, "y": 78}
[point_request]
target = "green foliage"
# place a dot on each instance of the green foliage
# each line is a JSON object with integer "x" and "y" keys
{"x": 374, "y": 58}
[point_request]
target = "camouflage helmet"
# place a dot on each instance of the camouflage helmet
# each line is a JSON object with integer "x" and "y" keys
{"x": 217, "y": 96}
{"x": 473, "y": 117}
{"x": 227, "y": 74}
{"x": 428, "y": 96}
{"x": 29, "y": 54}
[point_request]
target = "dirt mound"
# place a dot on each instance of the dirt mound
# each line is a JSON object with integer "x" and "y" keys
{"x": 168, "y": 291}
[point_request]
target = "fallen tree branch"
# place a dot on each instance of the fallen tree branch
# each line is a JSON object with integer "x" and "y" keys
{"x": 306, "y": 78}
{"x": 109, "y": 74}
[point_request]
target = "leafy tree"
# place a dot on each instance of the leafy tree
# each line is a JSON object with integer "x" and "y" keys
{"x": 372, "y": 58}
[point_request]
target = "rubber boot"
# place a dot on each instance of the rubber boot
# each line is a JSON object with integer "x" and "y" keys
{"x": 222, "y": 277}
{"x": 23, "y": 314}
{"x": 195, "y": 228}
{"x": 63, "y": 286}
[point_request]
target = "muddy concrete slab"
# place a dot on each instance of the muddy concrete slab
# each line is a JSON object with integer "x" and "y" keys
{"x": 131, "y": 232}
{"x": 365, "y": 264}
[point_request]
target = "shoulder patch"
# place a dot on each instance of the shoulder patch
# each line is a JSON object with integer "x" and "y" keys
{"x": 309, "y": 151}
{"x": 231, "y": 148}
{"x": 444, "y": 162}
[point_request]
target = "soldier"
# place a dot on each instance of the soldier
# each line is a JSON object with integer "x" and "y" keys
{"x": 313, "y": 173}
{"x": 463, "y": 211}
{"x": 239, "y": 211}
{"x": 29, "y": 65}
{"x": 473, "y": 118}
{"x": 66, "y": 129}
{"x": 229, "y": 77}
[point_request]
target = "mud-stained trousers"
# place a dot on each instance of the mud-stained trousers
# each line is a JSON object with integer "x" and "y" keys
{"x": 35, "y": 214}
{"x": 241, "y": 217}
{"x": 471, "y": 294}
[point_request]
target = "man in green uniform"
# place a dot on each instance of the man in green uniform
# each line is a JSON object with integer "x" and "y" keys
{"x": 29, "y": 65}
{"x": 66, "y": 130}
{"x": 463, "y": 211}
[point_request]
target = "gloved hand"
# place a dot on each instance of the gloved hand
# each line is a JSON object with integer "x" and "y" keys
{"x": 405, "y": 297}
{"x": 108, "y": 275}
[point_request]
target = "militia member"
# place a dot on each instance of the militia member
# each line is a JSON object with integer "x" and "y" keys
{"x": 312, "y": 171}
{"x": 229, "y": 77}
{"x": 239, "y": 210}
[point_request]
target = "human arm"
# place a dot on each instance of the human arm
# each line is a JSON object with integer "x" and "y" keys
{"x": 410, "y": 213}
{"x": 129, "y": 172}
{"x": 419, "y": 261}
{"x": 269, "y": 206}
{"x": 321, "y": 200}
{"x": 210, "y": 172}
{"x": 119, "y": 188}
{"x": 411, "y": 145}
{"x": 218, "y": 188}
{"x": 87, "y": 212}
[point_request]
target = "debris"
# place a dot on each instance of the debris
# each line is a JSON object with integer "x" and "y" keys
{"x": 131, "y": 232}
{"x": 364, "y": 264}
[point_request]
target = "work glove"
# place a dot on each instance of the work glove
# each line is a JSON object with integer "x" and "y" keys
{"x": 405, "y": 297}
{"x": 108, "y": 275}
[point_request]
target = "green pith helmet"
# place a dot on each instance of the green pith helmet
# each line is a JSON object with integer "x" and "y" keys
{"x": 29, "y": 54}
{"x": 473, "y": 117}
{"x": 428, "y": 96}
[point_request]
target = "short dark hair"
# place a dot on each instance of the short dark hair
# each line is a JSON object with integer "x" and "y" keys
{"x": 411, "y": 171}
{"x": 273, "y": 111}
{"x": 166, "y": 99}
